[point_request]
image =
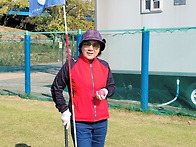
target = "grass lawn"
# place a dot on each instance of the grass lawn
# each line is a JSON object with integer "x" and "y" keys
{"x": 37, "y": 124}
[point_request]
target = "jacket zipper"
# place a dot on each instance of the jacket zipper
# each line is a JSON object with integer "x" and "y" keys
{"x": 93, "y": 91}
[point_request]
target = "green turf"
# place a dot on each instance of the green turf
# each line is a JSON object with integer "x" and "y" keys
{"x": 12, "y": 53}
{"x": 37, "y": 124}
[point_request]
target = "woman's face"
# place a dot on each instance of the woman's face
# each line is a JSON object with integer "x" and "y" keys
{"x": 90, "y": 49}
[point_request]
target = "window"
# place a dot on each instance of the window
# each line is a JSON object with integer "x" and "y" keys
{"x": 151, "y": 6}
{"x": 179, "y": 2}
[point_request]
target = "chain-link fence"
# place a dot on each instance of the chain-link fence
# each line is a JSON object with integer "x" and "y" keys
{"x": 171, "y": 59}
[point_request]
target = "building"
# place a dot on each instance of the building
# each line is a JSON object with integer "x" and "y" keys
{"x": 171, "y": 53}
{"x": 134, "y": 14}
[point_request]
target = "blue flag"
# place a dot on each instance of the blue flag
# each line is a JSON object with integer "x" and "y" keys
{"x": 36, "y": 7}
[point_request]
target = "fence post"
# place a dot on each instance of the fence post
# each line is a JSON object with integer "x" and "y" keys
{"x": 79, "y": 37}
{"x": 27, "y": 64}
{"x": 144, "y": 68}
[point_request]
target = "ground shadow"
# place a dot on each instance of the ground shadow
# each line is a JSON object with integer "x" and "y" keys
{"x": 9, "y": 92}
{"x": 22, "y": 145}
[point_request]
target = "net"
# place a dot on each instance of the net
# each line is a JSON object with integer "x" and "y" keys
{"x": 171, "y": 58}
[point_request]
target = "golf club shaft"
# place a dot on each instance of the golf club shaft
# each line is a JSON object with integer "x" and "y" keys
{"x": 66, "y": 136}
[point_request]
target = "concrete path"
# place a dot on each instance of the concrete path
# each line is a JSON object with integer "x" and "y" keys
{"x": 12, "y": 79}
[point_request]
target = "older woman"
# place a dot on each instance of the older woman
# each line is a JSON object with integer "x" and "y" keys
{"x": 92, "y": 83}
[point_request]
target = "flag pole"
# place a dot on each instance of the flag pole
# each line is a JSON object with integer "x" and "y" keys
{"x": 68, "y": 55}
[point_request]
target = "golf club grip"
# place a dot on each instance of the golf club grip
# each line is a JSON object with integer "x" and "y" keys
{"x": 66, "y": 136}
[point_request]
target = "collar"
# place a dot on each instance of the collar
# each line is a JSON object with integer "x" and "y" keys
{"x": 81, "y": 56}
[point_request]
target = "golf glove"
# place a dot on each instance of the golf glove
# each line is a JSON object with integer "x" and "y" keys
{"x": 101, "y": 97}
{"x": 65, "y": 117}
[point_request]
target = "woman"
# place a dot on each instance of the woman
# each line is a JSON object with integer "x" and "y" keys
{"x": 90, "y": 76}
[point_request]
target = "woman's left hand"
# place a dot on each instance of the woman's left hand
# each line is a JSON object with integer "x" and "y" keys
{"x": 102, "y": 93}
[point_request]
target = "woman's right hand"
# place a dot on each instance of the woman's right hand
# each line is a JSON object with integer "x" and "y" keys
{"x": 65, "y": 117}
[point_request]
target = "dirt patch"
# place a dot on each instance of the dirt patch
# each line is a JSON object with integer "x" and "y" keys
{"x": 17, "y": 98}
{"x": 4, "y": 29}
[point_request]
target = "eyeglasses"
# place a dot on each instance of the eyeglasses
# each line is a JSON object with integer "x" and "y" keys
{"x": 95, "y": 45}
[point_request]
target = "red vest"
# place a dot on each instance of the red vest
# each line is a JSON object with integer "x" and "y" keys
{"x": 87, "y": 78}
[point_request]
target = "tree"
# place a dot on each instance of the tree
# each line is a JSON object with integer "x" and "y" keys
{"x": 6, "y": 5}
{"x": 52, "y": 18}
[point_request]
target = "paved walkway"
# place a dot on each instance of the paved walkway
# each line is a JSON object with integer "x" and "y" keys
{"x": 12, "y": 79}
